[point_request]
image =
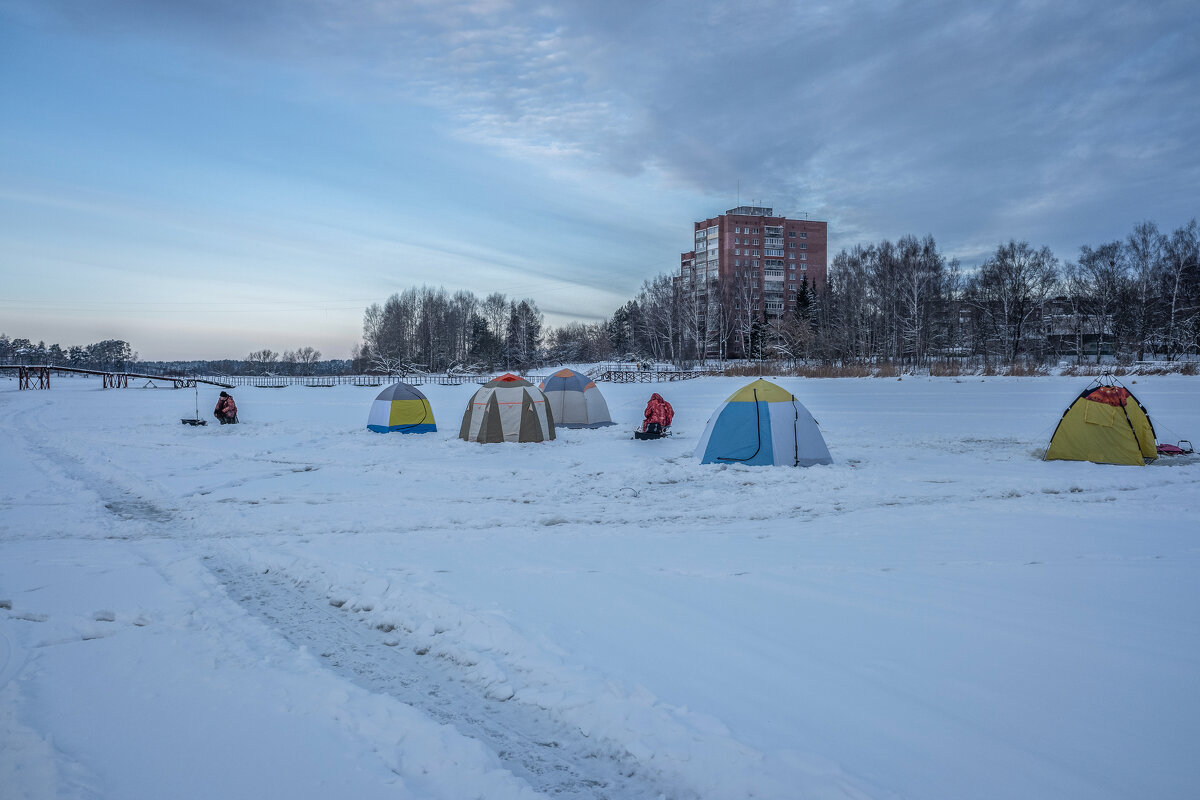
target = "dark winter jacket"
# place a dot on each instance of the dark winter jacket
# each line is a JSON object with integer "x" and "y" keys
{"x": 658, "y": 410}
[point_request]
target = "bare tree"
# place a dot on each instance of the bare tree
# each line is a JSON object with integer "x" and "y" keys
{"x": 306, "y": 358}
{"x": 660, "y": 325}
{"x": 1010, "y": 291}
{"x": 1180, "y": 288}
{"x": 1103, "y": 271}
{"x": 263, "y": 360}
{"x": 1077, "y": 288}
{"x": 1144, "y": 249}
{"x": 747, "y": 309}
{"x": 920, "y": 287}
{"x": 523, "y": 334}
{"x": 846, "y": 319}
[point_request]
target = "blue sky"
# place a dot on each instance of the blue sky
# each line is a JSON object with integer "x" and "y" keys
{"x": 208, "y": 178}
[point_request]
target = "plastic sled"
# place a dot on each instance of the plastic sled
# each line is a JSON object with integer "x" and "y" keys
{"x": 653, "y": 431}
{"x": 1184, "y": 448}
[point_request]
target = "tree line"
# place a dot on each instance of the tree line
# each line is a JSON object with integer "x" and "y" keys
{"x": 430, "y": 330}
{"x": 106, "y": 356}
{"x": 1132, "y": 299}
{"x": 116, "y": 355}
{"x": 902, "y": 302}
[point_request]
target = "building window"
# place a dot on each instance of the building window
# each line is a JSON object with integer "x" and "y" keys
{"x": 791, "y": 244}
{"x": 803, "y": 235}
{"x": 792, "y": 256}
{"x": 803, "y": 246}
{"x": 754, "y": 253}
{"x": 755, "y": 241}
{"x": 804, "y": 256}
{"x": 754, "y": 263}
{"x": 737, "y": 230}
{"x": 791, "y": 234}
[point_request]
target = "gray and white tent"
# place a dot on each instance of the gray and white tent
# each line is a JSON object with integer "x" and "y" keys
{"x": 507, "y": 409}
{"x": 575, "y": 400}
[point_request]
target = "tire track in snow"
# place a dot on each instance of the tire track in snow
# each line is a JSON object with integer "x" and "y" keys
{"x": 554, "y": 758}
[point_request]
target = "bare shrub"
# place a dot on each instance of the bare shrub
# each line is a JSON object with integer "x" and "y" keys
{"x": 945, "y": 369}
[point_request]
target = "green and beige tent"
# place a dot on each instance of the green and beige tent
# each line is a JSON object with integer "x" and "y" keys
{"x": 507, "y": 409}
{"x": 1106, "y": 424}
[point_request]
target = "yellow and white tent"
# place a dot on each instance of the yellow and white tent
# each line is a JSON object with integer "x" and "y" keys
{"x": 507, "y": 409}
{"x": 401, "y": 408}
{"x": 1106, "y": 424}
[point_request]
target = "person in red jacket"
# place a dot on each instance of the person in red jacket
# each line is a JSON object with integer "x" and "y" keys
{"x": 226, "y": 410}
{"x": 658, "y": 414}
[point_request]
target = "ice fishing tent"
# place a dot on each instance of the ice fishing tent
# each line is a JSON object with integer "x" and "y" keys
{"x": 1106, "y": 424}
{"x": 762, "y": 424}
{"x": 401, "y": 408}
{"x": 507, "y": 409}
{"x": 575, "y": 400}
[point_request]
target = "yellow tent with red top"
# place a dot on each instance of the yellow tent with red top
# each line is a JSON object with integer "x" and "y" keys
{"x": 1106, "y": 424}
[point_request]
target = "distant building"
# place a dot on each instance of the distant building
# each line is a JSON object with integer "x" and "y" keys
{"x": 753, "y": 261}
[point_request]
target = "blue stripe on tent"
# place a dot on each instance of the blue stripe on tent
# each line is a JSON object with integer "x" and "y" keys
{"x": 427, "y": 427}
{"x": 734, "y": 439}
{"x": 558, "y": 424}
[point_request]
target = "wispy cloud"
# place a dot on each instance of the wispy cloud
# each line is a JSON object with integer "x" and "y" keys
{"x": 858, "y": 109}
{"x": 1058, "y": 122}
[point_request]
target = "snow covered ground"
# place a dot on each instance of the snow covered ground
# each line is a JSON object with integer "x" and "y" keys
{"x": 296, "y": 607}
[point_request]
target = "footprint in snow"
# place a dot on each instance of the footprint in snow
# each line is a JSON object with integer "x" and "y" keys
{"x": 90, "y": 634}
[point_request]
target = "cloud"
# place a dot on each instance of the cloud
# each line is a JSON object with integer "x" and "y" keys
{"x": 885, "y": 117}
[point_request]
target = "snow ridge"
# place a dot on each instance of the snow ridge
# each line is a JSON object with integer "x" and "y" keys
{"x": 554, "y": 758}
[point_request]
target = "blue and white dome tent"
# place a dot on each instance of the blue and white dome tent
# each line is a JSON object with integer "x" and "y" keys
{"x": 762, "y": 424}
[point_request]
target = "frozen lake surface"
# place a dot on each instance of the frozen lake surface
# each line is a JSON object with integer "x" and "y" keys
{"x": 297, "y": 607}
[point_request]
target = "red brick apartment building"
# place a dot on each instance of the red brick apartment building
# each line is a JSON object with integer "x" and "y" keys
{"x": 764, "y": 256}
